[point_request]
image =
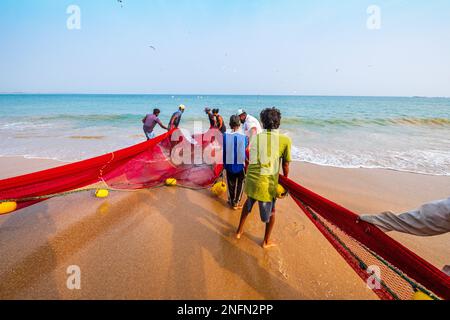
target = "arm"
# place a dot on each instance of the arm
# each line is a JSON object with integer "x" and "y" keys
{"x": 212, "y": 120}
{"x": 285, "y": 168}
{"x": 247, "y": 153}
{"x": 161, "y": 125}
{"x": 224, "y": 150}
{"x": 429, "y": 220}
{"x": 287, "y": 158}
{"x": 253, "y": 132}
{"x": 143, "y": 120}
{"x": 172, "y": 120}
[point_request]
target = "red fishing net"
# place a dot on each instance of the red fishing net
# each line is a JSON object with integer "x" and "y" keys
{"x": 191, "y": 160}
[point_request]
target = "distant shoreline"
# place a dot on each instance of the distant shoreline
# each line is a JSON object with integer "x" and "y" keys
{"x": 216, "y": 95}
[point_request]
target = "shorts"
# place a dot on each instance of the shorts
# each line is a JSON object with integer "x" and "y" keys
{"x": 149, "y": 135}
{"x": 266, "y": 209}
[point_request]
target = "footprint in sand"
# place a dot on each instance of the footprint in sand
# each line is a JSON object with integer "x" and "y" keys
{"x": 297, "y": 228}
{"x": 103, "y": 209}
{"x": 275, "y": 261}
{"x": 282, "y": 269}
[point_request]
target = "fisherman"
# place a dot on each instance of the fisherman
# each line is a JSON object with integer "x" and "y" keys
{"x": 220, "y": 124}
{"x": 251, "y": 125}
{"x": 176, "y": 117}
{"x": 234, "y": 158}
{"x": 430, "y": 219}
{"x": 150, "y": 122}
{"x": 267, "y": 150}
{"x": 211, "y": 118}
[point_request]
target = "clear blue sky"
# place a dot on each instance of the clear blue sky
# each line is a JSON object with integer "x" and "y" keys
{"x": 226, "y": 47}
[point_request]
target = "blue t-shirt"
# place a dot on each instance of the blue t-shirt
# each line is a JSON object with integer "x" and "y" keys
{"x": 176, "y": 118}
{"x": 234, "y": 146}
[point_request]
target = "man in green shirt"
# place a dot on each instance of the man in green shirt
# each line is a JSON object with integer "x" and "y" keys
{"x": 268, "y": 150}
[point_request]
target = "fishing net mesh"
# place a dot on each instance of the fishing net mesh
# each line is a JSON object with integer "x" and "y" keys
{"x": 386, "y": 280}
{"x": 189, "y": 160}
{"x": 391, "y": 270}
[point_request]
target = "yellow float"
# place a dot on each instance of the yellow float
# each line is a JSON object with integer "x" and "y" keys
{"x": 171, "y": 182}
{"x": 219, "y": 188}
{"x": 7, "y": 207}
{"x": 281, "y": 192}
{"x": 102, "y": 193}
{"x": 419, "y": 295}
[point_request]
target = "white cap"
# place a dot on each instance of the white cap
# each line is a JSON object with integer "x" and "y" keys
{"x": 240, "y": 111}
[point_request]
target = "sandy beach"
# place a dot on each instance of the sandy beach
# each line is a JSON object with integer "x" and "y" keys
{"x": 173, "y": 243}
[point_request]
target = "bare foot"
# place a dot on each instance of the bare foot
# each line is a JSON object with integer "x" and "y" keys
{"x": 238, "y": 235}
{"x": 268, "y": 245}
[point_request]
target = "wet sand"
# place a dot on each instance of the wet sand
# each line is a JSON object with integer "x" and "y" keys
{"x": 173, "y": 243}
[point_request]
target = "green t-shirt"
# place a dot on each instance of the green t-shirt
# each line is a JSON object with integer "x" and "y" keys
{"x": 267, "y": 149}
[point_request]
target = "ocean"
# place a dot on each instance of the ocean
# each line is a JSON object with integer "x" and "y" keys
{"x": 406, "y": 134}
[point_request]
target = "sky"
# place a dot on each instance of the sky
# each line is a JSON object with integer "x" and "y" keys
{"x": 263, "y": 47}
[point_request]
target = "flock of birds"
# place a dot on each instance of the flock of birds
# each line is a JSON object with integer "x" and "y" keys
{"x": 154, "y": 49}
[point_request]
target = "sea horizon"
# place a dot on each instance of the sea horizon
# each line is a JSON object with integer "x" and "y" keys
{"x": 224, "y": 95}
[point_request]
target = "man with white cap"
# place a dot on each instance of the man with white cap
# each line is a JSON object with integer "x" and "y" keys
{"x": 252, "y": 127}
{"x": 176, "y": 117}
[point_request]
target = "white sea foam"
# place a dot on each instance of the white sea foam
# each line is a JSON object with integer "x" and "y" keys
{"x": 428, "y": 162}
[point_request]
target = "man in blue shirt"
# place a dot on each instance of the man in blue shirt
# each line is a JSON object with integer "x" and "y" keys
{"x": 234, "y": 157}
{"x": 176, "y": 118}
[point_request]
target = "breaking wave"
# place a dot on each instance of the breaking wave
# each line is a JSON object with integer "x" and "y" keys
{"x": 356, "y": 122}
